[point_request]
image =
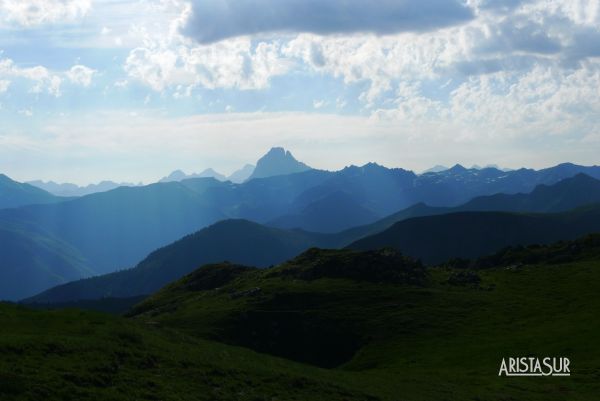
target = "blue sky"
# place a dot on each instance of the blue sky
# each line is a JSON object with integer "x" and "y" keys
{"x": 129, "y": 90}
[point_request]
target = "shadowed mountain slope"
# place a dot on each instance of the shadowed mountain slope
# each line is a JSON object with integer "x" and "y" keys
{"x": 237, "y": 241}
{"x": 435, "y": 239}
{"x": 116, "y": 229}
{"x": 32, "y": 260}
{"x": 15, "y": 194}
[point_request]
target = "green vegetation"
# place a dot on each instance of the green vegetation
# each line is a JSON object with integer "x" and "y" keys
{"x": 351, "y": 326}
{"x": 75, "y": 355}
{"x": 440, "y": 338}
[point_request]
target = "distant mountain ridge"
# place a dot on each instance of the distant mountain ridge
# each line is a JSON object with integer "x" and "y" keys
{"x": 115, "y": 229}
{"x": 15, "y": 194}
{"x": 70, "y": 190}
{"x": 241, "y": 175}
{"x": 179, "y": 175}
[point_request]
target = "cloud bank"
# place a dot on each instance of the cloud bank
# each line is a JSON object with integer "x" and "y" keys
{"x": 30, "y": 13}
{"x": 212, "y": 21}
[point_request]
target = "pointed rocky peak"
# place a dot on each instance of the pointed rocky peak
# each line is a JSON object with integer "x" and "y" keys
{"x": 176, "y": 175}
{"x": 457, "y": 168}
{"x": 277, "y": 161}
{"x": 242, "y": 174}
{"x": 210, "y": 173}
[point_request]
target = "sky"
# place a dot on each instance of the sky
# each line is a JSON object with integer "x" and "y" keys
{"x": 130, "y": 90}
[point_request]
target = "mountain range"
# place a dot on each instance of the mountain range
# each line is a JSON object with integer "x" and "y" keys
{"x": 179, "y": 175}
{"x": 73, "y": 190}
{"x": 15, "y": 194}
{"x": 237, "y": 177}
{"x": 420, "y": 231}
{"x": 115, "y": 230}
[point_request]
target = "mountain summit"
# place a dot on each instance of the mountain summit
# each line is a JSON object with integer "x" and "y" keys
{"x": 277, "y": 161}
{"x": 179, "y": 175}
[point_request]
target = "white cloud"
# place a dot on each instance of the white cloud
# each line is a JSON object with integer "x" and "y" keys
{"x": 318, "y": 104}
{"x": 231, "y": 64}
{"x": 29, "y": 13}
{"x": 544, "y": 102}
{"x": 81, "y": 75}
{"x": 41, "y": 78}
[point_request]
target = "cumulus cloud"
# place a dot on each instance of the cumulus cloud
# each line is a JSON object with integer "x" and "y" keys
{"x": 42, "y": 80}
{"x": 519, "y": 34}
{"x": 212, "y": 21}
{"x": 29, "y": 13}
{"x": 81, "y": 75}
{"x": 232, "y": 64}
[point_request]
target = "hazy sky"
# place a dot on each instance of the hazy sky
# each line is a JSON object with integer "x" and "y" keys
{"x": 131, "y": 89}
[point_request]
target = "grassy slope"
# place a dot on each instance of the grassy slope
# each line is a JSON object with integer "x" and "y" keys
{"x": 431, "y": 342}
{"x": 75, "y": 355}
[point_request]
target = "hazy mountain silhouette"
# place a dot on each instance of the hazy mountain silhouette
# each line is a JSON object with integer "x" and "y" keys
{"x": 179, "y": 175}
{"x": 32, "y": 261}
{"x": 68, "y": 189}
{"x": 435, "y": 169}
{"x": 277, "y": 161}
{"x": 458, "y": 185}
{"x": 241, "y": 175}
{"x": 237, "y": 241}
{"x": 115, "y": 229}
{"x": 15, "y": 194}
{"x": 332, "y": 213}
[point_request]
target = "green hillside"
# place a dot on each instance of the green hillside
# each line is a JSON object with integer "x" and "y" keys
{"x": 402, "y": 331}
{"x": 74, "y": 355}
{"x": 365, "y": 325}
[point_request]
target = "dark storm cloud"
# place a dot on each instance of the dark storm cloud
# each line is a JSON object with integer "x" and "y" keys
{"x": 214, "y": 20}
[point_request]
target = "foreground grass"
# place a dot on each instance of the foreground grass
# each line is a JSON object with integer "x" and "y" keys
{"x": 411, "y": 342}
{"x": 76, "y": 355}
